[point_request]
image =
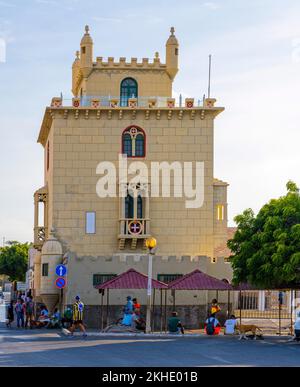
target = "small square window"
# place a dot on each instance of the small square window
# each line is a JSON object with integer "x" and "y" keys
{"x": 99, "y": 279}
{"x": 90, "y": 223}
{"x": 45, "y": 269}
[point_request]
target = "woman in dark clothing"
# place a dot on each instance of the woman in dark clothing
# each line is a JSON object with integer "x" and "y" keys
{"x": 10, "y": 314}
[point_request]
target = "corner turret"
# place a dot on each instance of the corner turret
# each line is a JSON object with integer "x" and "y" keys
{"x": 172, "y": 55}
{"x": 86, "y": 53}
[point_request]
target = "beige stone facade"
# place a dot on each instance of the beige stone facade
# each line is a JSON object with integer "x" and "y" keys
{"x": 77, "y": 138}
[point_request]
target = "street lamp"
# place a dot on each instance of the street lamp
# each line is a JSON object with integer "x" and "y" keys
{"x": 151, "y": 245}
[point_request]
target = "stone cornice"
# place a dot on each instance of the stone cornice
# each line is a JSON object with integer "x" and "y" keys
{"x": 108, "y": 113}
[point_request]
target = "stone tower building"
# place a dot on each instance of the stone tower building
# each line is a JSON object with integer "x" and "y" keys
{"x": 127, "y": 108}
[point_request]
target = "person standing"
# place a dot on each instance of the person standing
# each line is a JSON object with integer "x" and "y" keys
{"x": 78, "y": 308}
{"x": 29, "y": 312}
{"x": 20, "y": 311}
{"x": 10, "y": 314}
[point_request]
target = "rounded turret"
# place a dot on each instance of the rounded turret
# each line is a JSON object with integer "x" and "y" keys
{"x": 172, "y": 54}
{"x": 86, "y": 52}
{"x": 52, "y": 253}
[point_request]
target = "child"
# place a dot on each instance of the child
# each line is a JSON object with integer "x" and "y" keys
{"x": 230, "y": 325}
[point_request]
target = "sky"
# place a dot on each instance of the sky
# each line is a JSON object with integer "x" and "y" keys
{"x": 255, "y": 75}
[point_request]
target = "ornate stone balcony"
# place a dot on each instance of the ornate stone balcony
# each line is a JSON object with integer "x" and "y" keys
{"x": 133, "y": 230}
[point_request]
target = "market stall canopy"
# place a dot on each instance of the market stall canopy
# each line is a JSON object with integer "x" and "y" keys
{"x": 132, "y": 279}
{"x": 197, "y": 280}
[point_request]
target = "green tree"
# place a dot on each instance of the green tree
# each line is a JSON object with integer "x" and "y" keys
{"x": 14, "y": 260}
{"x": 266, "y": 247}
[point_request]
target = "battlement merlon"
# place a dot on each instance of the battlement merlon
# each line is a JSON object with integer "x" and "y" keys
{"x": 84, "y": 65}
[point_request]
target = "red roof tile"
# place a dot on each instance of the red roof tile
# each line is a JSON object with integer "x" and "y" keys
{"x": 199, "y": 281}
{"x": 132, "y": 279}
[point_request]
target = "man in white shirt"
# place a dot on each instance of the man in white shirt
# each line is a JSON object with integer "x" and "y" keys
{"x": 230, "y": 325}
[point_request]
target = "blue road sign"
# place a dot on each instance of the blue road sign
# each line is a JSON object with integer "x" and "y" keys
{"x": 60, "y": 283}
{"x": 61, "y": 270}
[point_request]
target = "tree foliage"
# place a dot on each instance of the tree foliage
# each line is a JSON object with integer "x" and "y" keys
{"x": 14, "y": 260}
{"x": 266, "y": 247}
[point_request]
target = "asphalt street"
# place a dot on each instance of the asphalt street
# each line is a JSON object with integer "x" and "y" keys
{"x": 51, "y": 348}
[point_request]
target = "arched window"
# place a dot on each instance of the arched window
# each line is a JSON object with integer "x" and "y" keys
{"x": 129, "y": 89}
{"x": 134, "y": 142}
{"x": 129, "y": 207}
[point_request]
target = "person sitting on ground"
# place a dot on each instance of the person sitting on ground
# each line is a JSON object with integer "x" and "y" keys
{"x": 55, "y": 319}
{"x": 136, "y": 304}
{"x": 215, "y": 308}
{"x": 138, "y": 322}
{"x": 67, "y": 319}
{"x": 230, "y": 325}
{"x": 174, "y": 324}
{"x": 43, "y": 320}
{"x": 212, "y": 326}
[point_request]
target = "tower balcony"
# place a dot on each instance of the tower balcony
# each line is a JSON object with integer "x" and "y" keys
{"x": 133, "y": 230}
{"x": 111, "y": 102}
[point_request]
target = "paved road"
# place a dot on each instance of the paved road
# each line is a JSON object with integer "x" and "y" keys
{"x": 47, "y": 348}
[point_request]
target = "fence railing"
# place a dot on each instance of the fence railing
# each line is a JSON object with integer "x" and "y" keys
{"x": 119, "y": 101}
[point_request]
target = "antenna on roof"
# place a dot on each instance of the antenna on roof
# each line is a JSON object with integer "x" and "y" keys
{"x": 209, "y": 75}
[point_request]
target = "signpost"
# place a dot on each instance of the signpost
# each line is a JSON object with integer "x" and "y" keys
{"x": 61, "y": 282}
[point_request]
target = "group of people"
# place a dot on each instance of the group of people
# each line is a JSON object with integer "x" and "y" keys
{"x": 132, "y": 315}
{"x": 212, "y": 324}
{"x": 25, "y": 311}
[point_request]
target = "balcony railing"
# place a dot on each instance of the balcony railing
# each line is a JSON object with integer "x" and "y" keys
{"x": 140, "y": 102}
{"x": 134, "y": 228}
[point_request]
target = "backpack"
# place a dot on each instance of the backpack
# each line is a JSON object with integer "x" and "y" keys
{"x": 210, "y": 328}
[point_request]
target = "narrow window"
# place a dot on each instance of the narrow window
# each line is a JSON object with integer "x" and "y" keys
{"x": 45, "y": 269}
{"x": 127, "y": 145}
{"x": 139, "y": 146}
{"x": 220, "y": 212}
{"x": 90, "y": 223}
{"x": 83, "y": 50}
{"x": 176, "y": 51}
{"x": 129, "y": 207}
{"x": 48, "y": 155}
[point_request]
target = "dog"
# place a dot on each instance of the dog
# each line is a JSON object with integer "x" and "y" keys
{"x": 243, "y": 329}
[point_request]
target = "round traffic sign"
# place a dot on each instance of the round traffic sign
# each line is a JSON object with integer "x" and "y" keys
{"x": 61, "y": 270}
{"x": 60, "y": 283}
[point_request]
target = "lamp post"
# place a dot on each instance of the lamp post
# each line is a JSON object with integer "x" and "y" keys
{"x": 151, "y": 245}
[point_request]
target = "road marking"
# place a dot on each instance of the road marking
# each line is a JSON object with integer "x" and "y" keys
{"x": 217, "y": 358}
